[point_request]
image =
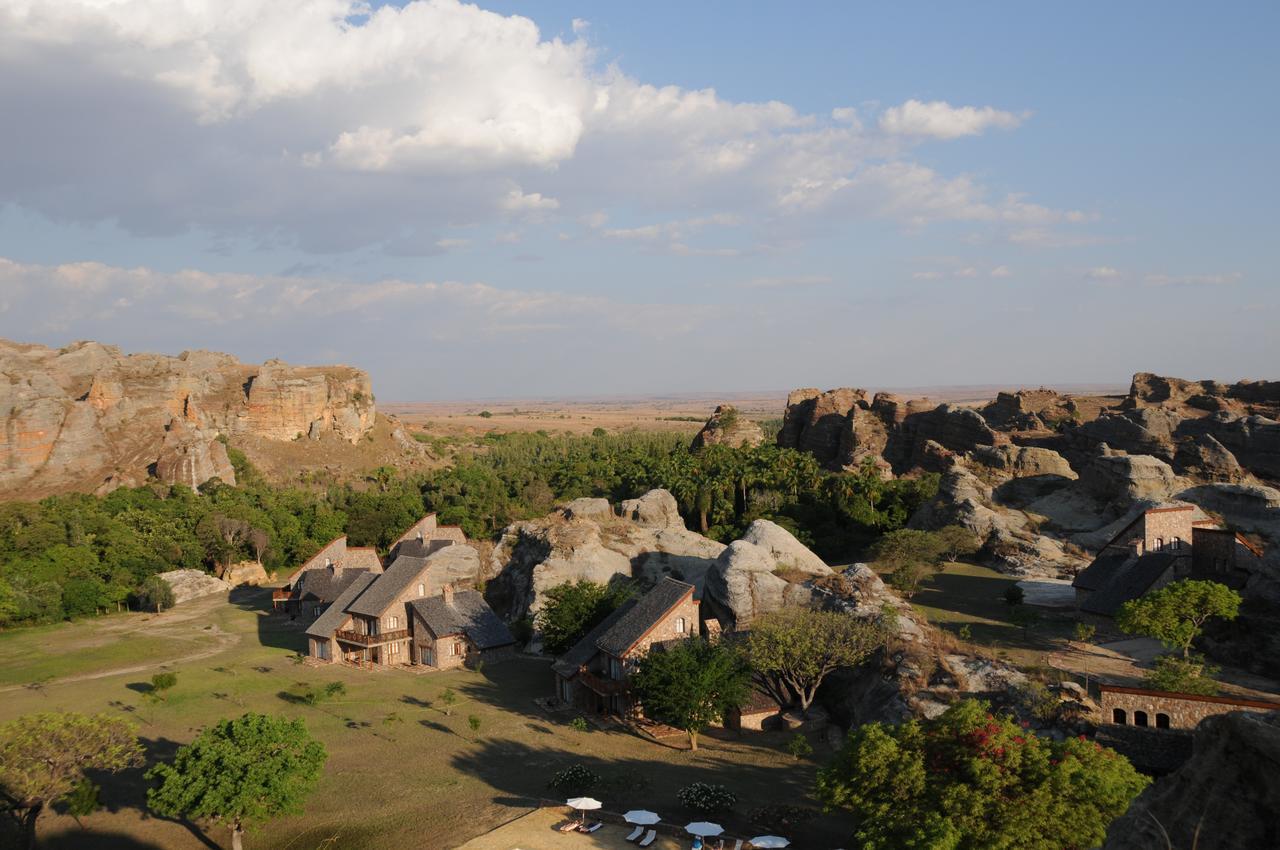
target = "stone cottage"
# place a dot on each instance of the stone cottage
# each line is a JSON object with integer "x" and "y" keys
{"x": 1159, "y": 546}
{"x": 457, "y": 628}
{"x": 594, "y": 674}
{"x": 315, "y": 585}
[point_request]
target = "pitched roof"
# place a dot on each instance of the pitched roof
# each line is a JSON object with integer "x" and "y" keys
{"x": 643, "y": 616}
{"x": 468, "y": 614}
{"x": 389, "y": 585}
{"x": 1102, "y": 570}
{"x": 361, "y": 558}
{"x": 580, "y": 653}
{"x": 327, "y": 623}
{"x": 334, "y": 547}
{"x": 324, "y": 584}
{"x": 1134, "y": 579}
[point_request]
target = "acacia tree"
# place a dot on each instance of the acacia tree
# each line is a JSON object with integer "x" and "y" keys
{"x": 1176, "y": 613}
{"x": 239, "y": 772}
{"x": 692, "y": 684}
{"x": 969, "y": 780}
{"x": 793, "y": 649}
{"x": 44, "y": 758}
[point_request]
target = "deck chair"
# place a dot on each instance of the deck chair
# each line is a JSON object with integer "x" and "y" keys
{"x": 636, "y": 833}
{"x": 568, "y": 826}
{"x": 593, "y": 827}
{"x": 648, "y": 838}
{"x": 737, "y": 845}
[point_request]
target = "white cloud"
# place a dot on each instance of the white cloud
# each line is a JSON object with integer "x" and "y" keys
{"x": 1001, "y": 271}
{"x": 941, "y": 120}
{"x": 1218, "y": 279}
{"x": 330, "y": 124}
{"x": 1102, "y": 273}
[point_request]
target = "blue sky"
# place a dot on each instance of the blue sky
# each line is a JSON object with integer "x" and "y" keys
{"x": 640, "y": 198}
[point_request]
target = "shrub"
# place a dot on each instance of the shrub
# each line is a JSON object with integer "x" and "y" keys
{"x": 799, "y": 746}
{"x": 580, "y": 724}
{"x": 706, "y": 798}
{"x": 575, "y": 780}
{"x": 1037, "y": 700}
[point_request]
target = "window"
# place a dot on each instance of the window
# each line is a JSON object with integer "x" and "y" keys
{"x": 422, "y": 589}
{"x": 1177, "y": 543}
{"x": 322, "y": 649}
{"x": 428, "y": 656}
{"x": 393, "y": 649}
{"x": 393, "y": 622}
{"x": 317, "y": 610}
{"x": 1159, "y": 543}
{"x": 453, "y": 649}
{"x": 1139, "y": 718}
{"x": 1118, "y": 716}
{"x": 679, "y": 625}
{"x": 1162, "y": 721}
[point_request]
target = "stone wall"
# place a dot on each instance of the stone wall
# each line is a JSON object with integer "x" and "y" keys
{"x": 1167, "y": 528}
{"x": 666, "y": 629}
{"x": 1178, "y": 711}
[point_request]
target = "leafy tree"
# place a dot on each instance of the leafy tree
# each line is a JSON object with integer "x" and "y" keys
{"x": 1191, "y": 675}
{"x": 792, "y": 650}
{"x": 44, "y": 759}
{"x": 906, "y": 578}
{"x": 691, "y": 684}
{"x": 1025, "y": 619}
{"x": 473, "y": 723}
{"x": 574, "y": 781}
{"x": 571, "y": 610}
{"x": 239, "y": 772}
{"x": 1084, "y": 632}
{"x": 956, "y": 542}
{"x": 799, "y": 746}
{"x": 1176, "y": 613}
{"x": 157, "y": 594}
{"x": 907, "y": 546}
{"x": 969, "y": 780}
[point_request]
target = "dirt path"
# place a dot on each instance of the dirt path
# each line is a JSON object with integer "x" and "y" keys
{"x": 177, "y": 623}
{"x": 1126, "y": 662}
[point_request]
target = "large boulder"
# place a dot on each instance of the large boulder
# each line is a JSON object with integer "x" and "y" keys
{"x": 1028, "y": 409}
{"x": 1207, "y": 459}
{"x": 1225, "y": 797}
{"x": 744, "y": 584}
{"x": 655, "y": 509}
{"x": 786, "y": 552}
{"x": 957, "y": 428}
{"x": 728, "y": 427}
{"x": 1147, "y": 431}
{"x": 250, "y": 573}
{"x": 1120, "y": 479}
{"x": 192, "y": 456}
{"x": 192, "y": 584}
{"x": 1024, "y": 461}
{"x": 583, "y": 539}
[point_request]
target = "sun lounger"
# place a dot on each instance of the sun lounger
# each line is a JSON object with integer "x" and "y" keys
{"x": 737, "y": 845}
{"x": 593, "y": 827}
{"x": 636, "y": 833}
{"x": 648, "y": 838}
{"x": 568, "y": 826}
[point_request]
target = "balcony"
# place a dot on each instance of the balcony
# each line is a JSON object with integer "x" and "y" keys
{"x": 372, "y": 640}
{"x": 281, "y": 594}
{"x": 604, "y": 687}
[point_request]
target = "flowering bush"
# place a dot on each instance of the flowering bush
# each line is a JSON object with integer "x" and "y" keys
{"x": 706, "y": 798}
{"x": 574, "y": 780}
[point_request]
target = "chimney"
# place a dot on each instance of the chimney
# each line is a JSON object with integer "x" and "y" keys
{"x": 447, "y": 592}
{"x": 335, "y": 569}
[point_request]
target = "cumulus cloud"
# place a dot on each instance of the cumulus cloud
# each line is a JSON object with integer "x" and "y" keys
{"x": 1102, "y": 273}
{"x": 330, "y": 124}
{"x": 940, "y": 120}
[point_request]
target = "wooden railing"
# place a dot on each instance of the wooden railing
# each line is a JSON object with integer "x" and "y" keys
{"x": 370, "y": 640}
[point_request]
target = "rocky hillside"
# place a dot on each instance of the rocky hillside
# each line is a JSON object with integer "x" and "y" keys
{"x": 1226, "y": 797}
{"x": 1045, "y": 478}
{"x": 728, "y": 427}
{"x": 88, "y": 417}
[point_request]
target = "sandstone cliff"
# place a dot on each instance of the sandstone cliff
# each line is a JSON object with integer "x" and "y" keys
{"x": 88, "y": 417}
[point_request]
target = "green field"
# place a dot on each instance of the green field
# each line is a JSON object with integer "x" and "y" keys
{"x": 401, "y": 772}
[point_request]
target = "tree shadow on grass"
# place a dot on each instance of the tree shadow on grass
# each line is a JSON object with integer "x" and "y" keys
{"x": 128, "y": 790}
{"x": 274, "y": 629}
{"x": 415, "y": 701}
{"x": 75, "y": 839}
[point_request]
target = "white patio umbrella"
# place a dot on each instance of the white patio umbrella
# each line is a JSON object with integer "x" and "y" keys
{"x": 703, "y": 828}
{"x": 583, "y": 804}
{"x": 769, "y": 841}
{"x": 642, "y": 817}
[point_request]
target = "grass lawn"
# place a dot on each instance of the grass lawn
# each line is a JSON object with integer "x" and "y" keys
{"x": 973, "y": 596}
{"x": 402, "y": 771}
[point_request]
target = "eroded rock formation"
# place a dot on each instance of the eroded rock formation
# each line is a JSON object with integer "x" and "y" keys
{"x": 88, "y": 417}
{"x": 728, "y": 427}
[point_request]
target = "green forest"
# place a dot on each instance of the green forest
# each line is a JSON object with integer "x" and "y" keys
{"x": 79, "y": 555}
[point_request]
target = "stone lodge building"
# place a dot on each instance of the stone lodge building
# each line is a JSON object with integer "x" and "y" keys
{"x": 1159, "y": 546}
{"x": 593, "y": 675}
{"x": 1164, "y": 710}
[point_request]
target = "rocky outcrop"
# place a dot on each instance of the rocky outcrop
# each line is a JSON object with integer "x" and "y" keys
{"x": 1205, "y": 458}
{"x": 1024, "y": 461}
{"x": 192, "y": 456}
{"x": 250, "y": 573}
{"x": 783, "y": 548}
{"x": 74, "y": 418}
{"x": 815, "y": 422}
{"x": 728, "y": 427}
{"x": 1225, "y": 797}
{"x": 1119, "y": 479}
{"x": 646, "y": 540}
{"x": 1028, "y": 410}
{"x": 192, "y": 584}
{"x": 764, "y": 571}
